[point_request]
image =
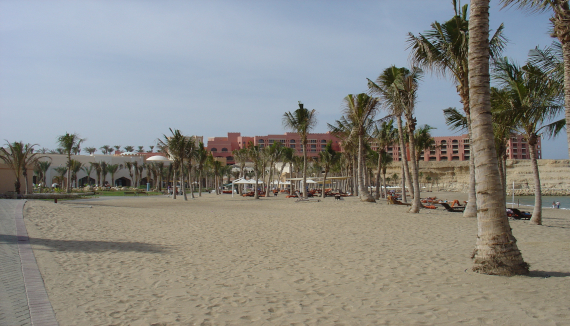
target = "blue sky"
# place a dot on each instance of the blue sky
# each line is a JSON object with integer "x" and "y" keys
{"x": 124, "y": 72}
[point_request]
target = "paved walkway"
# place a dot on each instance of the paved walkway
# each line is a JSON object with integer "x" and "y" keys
{"x": 23, "y": 298}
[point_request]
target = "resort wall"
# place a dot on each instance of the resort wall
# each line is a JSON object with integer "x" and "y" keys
{"x": 7, "y": 179}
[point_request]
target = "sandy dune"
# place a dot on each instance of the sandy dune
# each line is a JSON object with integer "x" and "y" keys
{"x": 219, "y": 260}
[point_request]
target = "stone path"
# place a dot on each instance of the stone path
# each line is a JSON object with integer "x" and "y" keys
{"x": 23, "y": 298}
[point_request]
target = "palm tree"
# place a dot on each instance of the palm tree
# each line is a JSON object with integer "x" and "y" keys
{"x": 113, "y": 168}
{"x": 61, "y": 171}
{"x": 75, "y": 166}
{"x": 496, "y": 251}
{"x": 535, "y": 98}
{"x": 255, "y": 155}
{"x": 88, "y": 171}
{"x": 386, "y": 159}
{"x": 328, "y": 158}
{"x": 20, "y": 157}
{"x": 343, "y": 130}
{"x": 388, "y": 86}
{"x": 201, "y": 157}
{"x": 443, "y": 49}
{"x": 98, "y": 170}
{"x": 175, "y": 147}
{"x": 360, "y": 109}
{"x": 104, "y": 172}
{"x": 240, "y": 156}
{"x": 43, "y": 166}
{"x": 273, "y": 152}
{"x": 384, "y": 136}
{"x": 189, "y": 152}
{"x": 106, "y": 149}
{"x": 151, "y": 148}
{"x": 424, "y": 141}
{"x": 141, "y": 149}
{"x": 129, "y": 148}
{"x": 68, "y": 142}
{"x": 90, "y": 150}
{"x": 399, "y": 87}
{"x": 287, "y": 157}
{"x": 561, "y": 31}
{"x": 301, "y": 121}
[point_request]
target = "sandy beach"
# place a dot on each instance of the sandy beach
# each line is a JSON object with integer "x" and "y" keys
{"x": 218, "y": 260}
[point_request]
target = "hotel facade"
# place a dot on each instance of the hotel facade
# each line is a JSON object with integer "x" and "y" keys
{"x": 447, "y": 148}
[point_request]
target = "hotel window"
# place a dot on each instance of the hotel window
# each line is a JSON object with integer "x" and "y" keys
{"x": 224, "y": 149}
{"x": 214, "y": 150}
{"x": 261, "y": 141}
{"x": 292, "y": 145}
{"x": 466, "y": 141}
{"x": 271, "y": 141}
{"x": 323, "y": 141}
{"x": 312, "y": 141}
{"x": 313, "y": 146}
{"x": 292, "y": 141}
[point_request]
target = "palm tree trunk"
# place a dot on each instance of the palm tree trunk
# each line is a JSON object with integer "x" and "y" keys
{"x": 174, "y": 181}
{"x": 496, "y": 251}
{"x": 363, "y": 192}
{"x": 200, "y": 183}
{"x": 416, "y": 203}
{"x": 537, "y": 211}
{"x": 403, "y": 158}
{"x": 566, "y": 56}
{"x": 305, "y": 188}
{"x": 471, "y": 207}
{"x": 182, "y": 181}
{"x": 378, "y": 171}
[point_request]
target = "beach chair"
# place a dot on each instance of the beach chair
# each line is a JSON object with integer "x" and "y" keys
{"x": 456, "y": 209}
{"x": 518, "y": 215}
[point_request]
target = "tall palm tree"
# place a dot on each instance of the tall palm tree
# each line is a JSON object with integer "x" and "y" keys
{"x": 328, "y": 158}
{"x": 255, "y": 155}
{"x": 385, "y": 135}
{"x": 535, "y": 98}
{"x": 301, "y": 121}
{"x": 20, "y": 157}
{"x": 273, "y": 154}
{"x": 75, "y": 166}
{"x": 68, "y": 142}
{"x": 443, "y": 49}
{"x": 496, "y": 251}
{"x": 175, "y": 146}
{"x": 385, "y": 159}
{"x": 360, "y": 109}
{"x": 424, "y": 140}
{"x": 287, "y": 157}
{"x": 97, "y": 167}
{"x": 388, "y": 86}
{"x": 113, "y": 168}
{"x": 117, "y": 147}
{"x": 141, "y": 149}
{"x": 240, "y": 156}
{"x": 129, "y": 148}
{"x": 104, "y": 172}
{"x": 189, "y": 152}
{"x": 343, "y": 130}
{"x": 151, "y": 148}
{"x": 201, "y": 157}
{"x": 561, "y": 30}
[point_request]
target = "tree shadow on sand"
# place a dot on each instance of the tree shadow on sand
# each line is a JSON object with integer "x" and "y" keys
{"x": 85, "y": 245}
{"x": 545, "y": 274}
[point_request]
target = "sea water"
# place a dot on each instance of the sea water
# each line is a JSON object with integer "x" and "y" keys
{"x": 546, "y": 201}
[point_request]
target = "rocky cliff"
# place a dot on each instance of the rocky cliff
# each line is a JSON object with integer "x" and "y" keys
{"x": 454, "y": 176}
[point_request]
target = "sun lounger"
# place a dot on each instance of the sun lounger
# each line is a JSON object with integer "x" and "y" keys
{"x": 456, "y": 209}
{"x": 518, "y": 215}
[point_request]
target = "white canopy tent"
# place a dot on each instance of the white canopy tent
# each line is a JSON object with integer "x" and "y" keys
{"x": 242, "y": 181}
{"x": 158, "y": 158}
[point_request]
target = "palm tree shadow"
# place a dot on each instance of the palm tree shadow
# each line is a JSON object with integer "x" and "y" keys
{"x": 546, "y": 274}
{"x": 85, "y": 245}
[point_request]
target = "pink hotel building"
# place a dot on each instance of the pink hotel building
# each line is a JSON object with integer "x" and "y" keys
{"x": 448, "y": 148}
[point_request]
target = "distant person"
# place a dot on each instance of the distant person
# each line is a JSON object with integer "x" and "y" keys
{"x": 558, "y": 204}
{"x": 553, "y": 204}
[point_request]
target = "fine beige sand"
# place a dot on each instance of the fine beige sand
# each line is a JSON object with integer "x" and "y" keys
{"x": 219, "y": 260}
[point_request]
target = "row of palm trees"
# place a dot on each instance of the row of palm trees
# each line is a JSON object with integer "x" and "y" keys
{"x": 105, "y": 149}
